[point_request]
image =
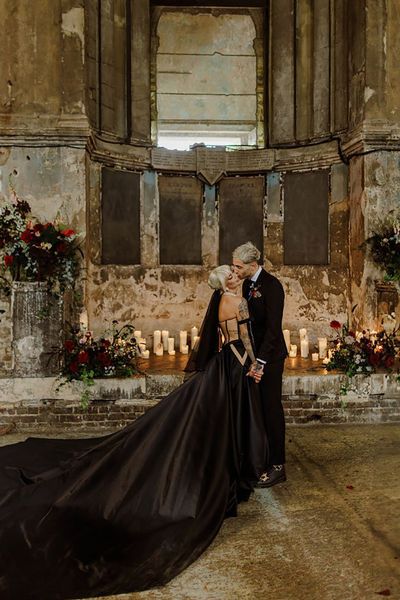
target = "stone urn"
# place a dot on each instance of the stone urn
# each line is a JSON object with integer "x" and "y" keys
{"x": 37, "y": 330}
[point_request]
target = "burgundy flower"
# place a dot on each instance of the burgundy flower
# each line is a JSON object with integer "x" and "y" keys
{"x": 69, "y": 345}
{"x": 352, "y": 334}
{"x": 8, "y": 260}
{"x": 389, "y": 362}
{"x": 61, "y": 247}
{"x": 335, "y": 324}
{"x": 73, "y": 367}
{"x": 373, "y": 359}
{"x": 83, "y": 357}
{"x": 27, "y": 235}
{"x": 104, "y": 359}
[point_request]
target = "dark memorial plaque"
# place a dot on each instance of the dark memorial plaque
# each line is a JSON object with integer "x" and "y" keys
{"x": 120, "y": 217}
{"x": 181, "y": 204}
{"x": 306, "y": 231}
{"x": 241, "y": 214}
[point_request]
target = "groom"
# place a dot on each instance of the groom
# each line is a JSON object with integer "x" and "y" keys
{"x": 265, "y": 297}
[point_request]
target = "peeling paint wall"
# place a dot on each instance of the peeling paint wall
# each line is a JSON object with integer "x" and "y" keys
{"x": 52, "y": 180}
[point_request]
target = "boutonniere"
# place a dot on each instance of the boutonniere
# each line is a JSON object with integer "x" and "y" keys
{"x": 254, "y": 291}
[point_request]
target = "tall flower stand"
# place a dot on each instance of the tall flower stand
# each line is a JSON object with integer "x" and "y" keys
{"x": 37, "y": 330}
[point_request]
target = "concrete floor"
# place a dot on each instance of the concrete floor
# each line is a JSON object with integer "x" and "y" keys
{"x": 329, "y": 533}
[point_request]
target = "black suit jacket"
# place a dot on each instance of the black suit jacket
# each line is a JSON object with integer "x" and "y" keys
{"x": 266, "y": 309}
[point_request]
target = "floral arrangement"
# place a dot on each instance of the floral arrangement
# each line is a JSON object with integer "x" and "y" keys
{"x": 112, "y": 355}
{"x": 385, "y": 249}
{"x": 33, "y": 251}
{"x": 363, "y": 352}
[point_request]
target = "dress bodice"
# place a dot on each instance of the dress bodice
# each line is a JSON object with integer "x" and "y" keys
{"x": 230, "y": 330}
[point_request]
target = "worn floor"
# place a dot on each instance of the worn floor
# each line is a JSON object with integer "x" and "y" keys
{"x": 331, "y": 532}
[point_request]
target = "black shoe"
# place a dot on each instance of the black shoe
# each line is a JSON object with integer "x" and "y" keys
{"x": 275, "y": 474}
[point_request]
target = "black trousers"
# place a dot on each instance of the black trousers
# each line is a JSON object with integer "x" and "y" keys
{"x": 271, "y": 399}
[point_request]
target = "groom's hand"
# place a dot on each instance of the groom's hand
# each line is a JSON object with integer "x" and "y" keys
{"x": 256, "y": 371}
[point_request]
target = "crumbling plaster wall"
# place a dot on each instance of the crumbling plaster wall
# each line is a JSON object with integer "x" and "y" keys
{"x": 52, "y": 180}
{"x": 375, "y": 192}
{"x": 152, "y": 297}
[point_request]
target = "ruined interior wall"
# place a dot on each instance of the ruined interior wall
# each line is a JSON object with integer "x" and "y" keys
{"x": 52, "y": 180}
{"x": 375, "y": 191}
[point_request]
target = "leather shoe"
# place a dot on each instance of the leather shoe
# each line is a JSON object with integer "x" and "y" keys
{"x": 273, "y": 475}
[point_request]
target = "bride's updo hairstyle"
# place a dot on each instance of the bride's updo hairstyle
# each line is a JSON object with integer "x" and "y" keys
{"x": 218, "y": 277}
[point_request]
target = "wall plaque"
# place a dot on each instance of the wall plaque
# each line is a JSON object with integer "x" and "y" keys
{"x": 181, "y": 204}
{"x": 306, "y": 227}
{"x": 120, "y": 197}
{"x": 241, "y": 212}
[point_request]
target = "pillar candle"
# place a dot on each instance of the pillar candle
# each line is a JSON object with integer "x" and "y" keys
{"x": 304, "y": 348}
{"x": 315, "y": 356}
{"x": 293, "y": 351}
{"x": 164, "y": 336}
{"x": 156, "y": 339}
{"x": 182, "y": 340}
{"x": 303, "y": 333}
{"x": 326, "y": 361}
{"x": 171, "y": 345}
{"x": 185, "y": 349}
{"x": 159, "y": 351}
{"x": 195, "y": 340}
{"x": 330, "y": 353}
{"x": 286, "y": 335}
{"x": 193, "y": 334}
{"x": 83, "y": 320}
{"x": 145, "y": 354}
{"x": 322, "y": 347}
{"x": 137, "y": 334}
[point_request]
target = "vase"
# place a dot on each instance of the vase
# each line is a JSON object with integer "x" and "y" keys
{"x": 37, "y": 330}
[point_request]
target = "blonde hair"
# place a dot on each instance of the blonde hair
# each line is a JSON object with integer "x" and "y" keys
{"x": 247, "y": 253}
{"x": 218, "y": 277}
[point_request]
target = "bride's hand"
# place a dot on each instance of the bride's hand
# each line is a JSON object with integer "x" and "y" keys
{"x": 256, "y": 371}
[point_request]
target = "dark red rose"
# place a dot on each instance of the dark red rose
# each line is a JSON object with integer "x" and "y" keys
{"x": 389, "y": 362}
{"x": 60, "y": 247}
{"x": 373, "y": 359}
{"x": 335, "y": 324}
{"x": 38, "y": 227}
{"x": 352, "y": 334}
{"x": 83, "y": 357}
{"x": 69, "y": 345}
{"x": 27, "y": 235}
{"x": 67, "y": 232}
{"x": 8, "y": 260}
{"x": 73, "y": 367}
{"x": 105, "y": 343}
{"x": 104, "y": 359}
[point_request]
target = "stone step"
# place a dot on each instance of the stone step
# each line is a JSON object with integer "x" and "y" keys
{"x": 37, "y": 404}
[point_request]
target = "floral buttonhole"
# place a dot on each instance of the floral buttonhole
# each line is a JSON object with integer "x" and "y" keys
{"x": 255, "y": 293}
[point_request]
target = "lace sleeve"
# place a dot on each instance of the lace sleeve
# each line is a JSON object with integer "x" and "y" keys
{"x": 244, "y": 332}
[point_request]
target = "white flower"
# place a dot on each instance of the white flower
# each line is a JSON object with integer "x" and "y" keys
{"x": 349, "y": 339}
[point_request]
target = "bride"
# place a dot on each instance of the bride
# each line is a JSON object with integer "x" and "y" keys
{"x": 128, "y": 511}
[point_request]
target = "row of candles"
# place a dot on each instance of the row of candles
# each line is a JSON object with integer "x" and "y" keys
{"x": 163, "y": 342}
{"x": 323, "y": 352}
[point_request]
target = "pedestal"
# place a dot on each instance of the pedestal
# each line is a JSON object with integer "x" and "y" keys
{"x": 37, "y": 330}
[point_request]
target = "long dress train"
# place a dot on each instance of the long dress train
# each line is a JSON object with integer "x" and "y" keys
{"x": 130, "y": 510}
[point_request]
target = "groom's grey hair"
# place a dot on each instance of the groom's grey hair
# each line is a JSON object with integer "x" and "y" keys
{"x": 247, "y": 253}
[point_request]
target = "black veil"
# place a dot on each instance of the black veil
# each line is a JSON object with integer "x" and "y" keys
{"x": 209, "y": 341}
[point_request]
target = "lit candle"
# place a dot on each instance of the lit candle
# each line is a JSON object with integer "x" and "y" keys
{"x": 293, "y": 351}
{"x": 137, "y": 334}
{"x": 326, "y": 361}
{"x": 142, "y": 347}
{"x": 322, "y": 347}
{"x": 315, "y": 356}
{"x": 164, "y": 336}
{"x": 303, "y": 333}
{"x": 304, "y": 348}
{"x": 195, "y": 340}
{"x": 156, "y": 339}
{"x": 145, "y": 354}
{"x": 171, "y": 346}
{"x": 182, "y": 340}
{"x": 286, "y": 335}
{"x": 193, "y": 334}
{"x": 185, "y": 349}
{"x": 83, "y": 320}
{"x": 159, "y": 349}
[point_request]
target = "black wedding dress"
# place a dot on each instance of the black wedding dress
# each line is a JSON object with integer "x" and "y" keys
{"x": 128, "y": 511}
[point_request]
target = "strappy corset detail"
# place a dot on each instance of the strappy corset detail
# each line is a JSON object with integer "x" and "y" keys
{"x": 230, "y": 332}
